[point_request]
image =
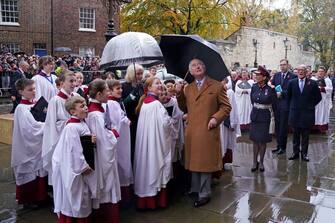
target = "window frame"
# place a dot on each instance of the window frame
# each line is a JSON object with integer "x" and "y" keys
{"x": 85, "y": 48}
{"x": 93, "y": 29}
{"x": 2, "y": 23}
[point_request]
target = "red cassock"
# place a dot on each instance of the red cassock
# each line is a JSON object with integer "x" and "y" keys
{"x": 65, "y": 219}
{"x": 107, "y": 212}
{"x": 32, "y": 192}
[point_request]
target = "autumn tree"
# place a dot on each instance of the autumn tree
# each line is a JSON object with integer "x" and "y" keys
{"x": 203, "y": 17}
{"x": 317, "y": 28}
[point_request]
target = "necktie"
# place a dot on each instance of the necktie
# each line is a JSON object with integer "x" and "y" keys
{"x": 199, "y": 84}
{"x": 301, "y": 85}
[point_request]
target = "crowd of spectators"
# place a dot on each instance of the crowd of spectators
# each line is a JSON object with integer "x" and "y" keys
{"x": 9, "y": 63}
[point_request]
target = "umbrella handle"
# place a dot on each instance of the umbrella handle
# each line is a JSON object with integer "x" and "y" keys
{"x": 186, "y": 75}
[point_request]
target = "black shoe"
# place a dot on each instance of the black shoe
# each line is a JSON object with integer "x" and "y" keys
{"x": 275, "y": 150}
{"x": 201, "y": 202}
{"x": 281, "y": 151}
{"x": 294, "y": 156}
{"x": 305, "y": 157}
{"x": 255, "y": 168}
{"x": 261, "y": 169}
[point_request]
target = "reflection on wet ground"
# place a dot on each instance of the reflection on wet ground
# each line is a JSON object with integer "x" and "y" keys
{"x": 288, "y": 191}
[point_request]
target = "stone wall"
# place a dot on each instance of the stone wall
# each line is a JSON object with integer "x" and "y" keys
{"x": 239, "y": 48}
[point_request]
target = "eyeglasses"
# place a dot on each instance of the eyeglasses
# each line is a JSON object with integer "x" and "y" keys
{"x": 283, "y": 64}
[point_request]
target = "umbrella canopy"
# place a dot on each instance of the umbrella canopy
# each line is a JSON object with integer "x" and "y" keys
{"x": 62, "y": 49}
{"x": 179, "y": 50}
{"x": 131, "y": 47}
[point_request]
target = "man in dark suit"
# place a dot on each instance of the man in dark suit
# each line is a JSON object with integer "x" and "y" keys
{"x": 280, "y": 80}
{"x": 18, "y": 74}
{"x": 303, "y": 95}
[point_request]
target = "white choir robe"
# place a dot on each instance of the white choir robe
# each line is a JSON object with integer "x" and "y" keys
{"x": 121, "y": 123}
{"x": 44, "y": 87}
{"x": 106, "y": 168}
{"x": 227, "y": 136}
{"x": 243, "y": 103}
{"x": 72, "y": 190}
{"x": 322, "y": 110}
{"x": 152, "y": 162}
{"x": 55, "y": 121}
{"x": 26, "y": 157}
{"x": 177, "y": 135}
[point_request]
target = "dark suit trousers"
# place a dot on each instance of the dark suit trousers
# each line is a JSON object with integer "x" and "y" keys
{"x": 304, "y": 135}
{"x": 281, "y": 121}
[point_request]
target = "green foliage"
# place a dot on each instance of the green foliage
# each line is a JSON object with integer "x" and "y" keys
{"x": 317, "y": 29}
{"x": 202, "y": 17}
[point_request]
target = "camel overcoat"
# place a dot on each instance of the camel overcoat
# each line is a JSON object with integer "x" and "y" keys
{"x": 202, "y": 146}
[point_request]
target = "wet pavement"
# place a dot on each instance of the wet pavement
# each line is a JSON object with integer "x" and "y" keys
{"x": 288, "y": 191}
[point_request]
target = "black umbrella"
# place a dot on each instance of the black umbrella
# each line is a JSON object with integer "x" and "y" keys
{"x": 179, "y": 50}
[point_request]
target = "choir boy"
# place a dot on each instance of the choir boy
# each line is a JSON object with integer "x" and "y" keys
{"x": 119, "y": 121}
{"x": 26, "y": 149}
{"x": 109, "y": 194}
{"x": 72, "y": 175}
{"x": 56, "y": 119}
{"x": 45, "y": 81}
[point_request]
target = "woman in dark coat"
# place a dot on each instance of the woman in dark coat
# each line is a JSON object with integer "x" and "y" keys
{"x": 262, "y": 96}
{"x": 132, "y": 91}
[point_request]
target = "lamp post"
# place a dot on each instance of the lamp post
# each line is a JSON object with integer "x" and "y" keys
{"x": 255, "y": 43}
{"x": 112, "y": 6}
{"x": 286, "y": 46}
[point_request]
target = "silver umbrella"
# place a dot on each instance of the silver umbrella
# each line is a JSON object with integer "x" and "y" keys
{"x": 131, "y": 47}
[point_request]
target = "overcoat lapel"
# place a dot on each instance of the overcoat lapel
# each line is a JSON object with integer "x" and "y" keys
{"x": 204, "y": 87}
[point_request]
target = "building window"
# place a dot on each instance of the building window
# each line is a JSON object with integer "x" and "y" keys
{"x": 9, "y": 14}
{"x": 87, "y": 19}
{"x": 10, "y": 47}
{"x": 40, "y": 49}
{"x": 86, "y": 51}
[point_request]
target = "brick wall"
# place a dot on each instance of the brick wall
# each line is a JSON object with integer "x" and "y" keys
{"x": 35, "y": 25}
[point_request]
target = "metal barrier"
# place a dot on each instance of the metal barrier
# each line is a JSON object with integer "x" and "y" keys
{"x": 5, "y": 83}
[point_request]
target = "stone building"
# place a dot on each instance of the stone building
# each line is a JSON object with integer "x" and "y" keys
{"x": 35, "y": 26}
{"x": 250, "y": 45}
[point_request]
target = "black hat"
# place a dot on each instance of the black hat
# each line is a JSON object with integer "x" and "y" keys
{"x": 261, "y": 70}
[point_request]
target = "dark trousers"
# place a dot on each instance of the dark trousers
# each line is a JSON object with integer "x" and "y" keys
{"x": 281, "y": 121}
{"x": 304, "y": 135}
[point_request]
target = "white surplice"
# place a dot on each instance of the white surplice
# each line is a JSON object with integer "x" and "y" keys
{"x": 55, "y": 121}
{"x": 26, "y": 157}
{"x": 106, "y": 168}
{"x": 44, "y": 87}
{"x": 72, "y": 190}
{"x": 177, "y": 134}
{"x": 152, "y": 162}
{"x": 228, "y": 136}
{"x": 243, "y": 103}
{"x": 322, "y": 110}
{"x": 121, "y": 123}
